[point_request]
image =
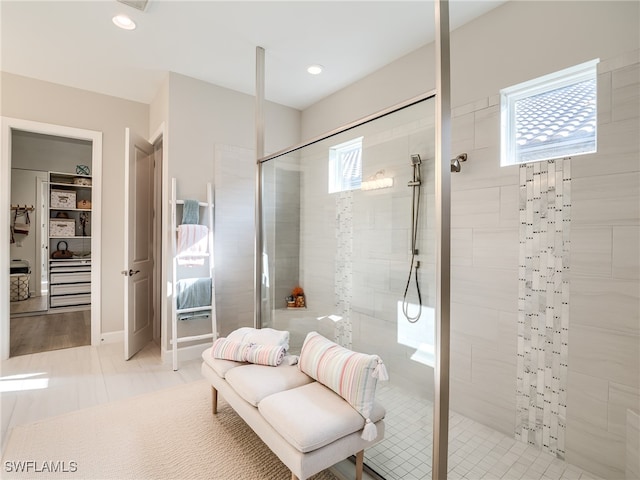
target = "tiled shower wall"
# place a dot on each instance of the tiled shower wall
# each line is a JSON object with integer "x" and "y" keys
{"x": 603, "y": 337}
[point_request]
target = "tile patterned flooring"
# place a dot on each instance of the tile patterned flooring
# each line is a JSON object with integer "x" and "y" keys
{"x": 475, "y": 451}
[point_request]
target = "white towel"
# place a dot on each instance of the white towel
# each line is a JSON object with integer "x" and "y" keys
{"x": 192, "y": 244}
{"x": 260, "y": 336}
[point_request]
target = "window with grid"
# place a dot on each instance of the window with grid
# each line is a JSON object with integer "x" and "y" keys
{"x": 554, "y": 116}
{"x": 345, "y": 166}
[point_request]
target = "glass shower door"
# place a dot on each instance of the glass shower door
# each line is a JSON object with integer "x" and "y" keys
{"x": 349, "y": 220}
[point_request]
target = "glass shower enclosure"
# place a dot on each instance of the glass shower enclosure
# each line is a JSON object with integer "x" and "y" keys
{"x": 348, "y": 250}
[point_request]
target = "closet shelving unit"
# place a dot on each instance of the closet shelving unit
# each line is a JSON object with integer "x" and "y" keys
{"x": 179, "y": 272}
{"x": 70, "y": 279}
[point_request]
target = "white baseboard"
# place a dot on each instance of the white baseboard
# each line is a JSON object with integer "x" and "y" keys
{"x": 192, "y": 352}
{"x": 112, "y": 337}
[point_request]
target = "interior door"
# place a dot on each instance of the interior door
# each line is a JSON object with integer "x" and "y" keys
{"x": 138, "y": 271}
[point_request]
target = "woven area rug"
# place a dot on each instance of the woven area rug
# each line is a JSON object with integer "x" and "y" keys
{"x": 169, "y": 434}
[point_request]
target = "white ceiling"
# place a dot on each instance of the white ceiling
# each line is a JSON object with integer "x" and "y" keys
{"x": 75, "y": 43}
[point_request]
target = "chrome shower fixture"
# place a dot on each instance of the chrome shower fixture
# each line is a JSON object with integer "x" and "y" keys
{"x": 455, "y": 162}
{"x": 416, "y": 161}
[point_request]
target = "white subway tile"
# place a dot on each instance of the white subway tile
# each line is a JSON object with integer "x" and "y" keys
{"x": 485, "y": 287}
{"x": 595, "y": 450}
{"x": 603, "y": 353}
{"x": 495, "y": 247}
{"x": 607, "y": 199}
{"x": 461, "y": 246}
{"x": 587, "y": 399}
{"x": 626, "y": 252}
{"x": 487, "y": 127}
{"x": 625, "y": 93}
{"x": 591, "y": 250}
{"x": 606, "y": 303}
{"x": 475, "y": 208}
{"x": 621, "y": 399}
{"x": 633, "y": 445}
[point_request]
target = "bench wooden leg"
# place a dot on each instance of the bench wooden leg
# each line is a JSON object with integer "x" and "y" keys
{"x": 293, "y": 476}
{"x": 214, "y": 400}
{"x": 359, "y": 464}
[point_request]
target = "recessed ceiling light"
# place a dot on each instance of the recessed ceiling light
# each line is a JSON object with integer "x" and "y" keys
{"x": 124, "y": 22}
{"x": 315, "y": 69}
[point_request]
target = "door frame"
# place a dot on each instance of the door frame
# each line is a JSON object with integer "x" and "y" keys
{"x": 162, "y": 247}
{"x": 161, "y": 190}
{"x": 9, "y": 124}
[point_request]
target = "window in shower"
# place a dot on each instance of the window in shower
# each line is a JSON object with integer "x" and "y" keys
{"x": 550, "y": 117}
{"x": 345, "y": 166}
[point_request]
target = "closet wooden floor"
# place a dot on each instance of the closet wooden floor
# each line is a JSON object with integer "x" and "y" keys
{"x": 54, "y": 331}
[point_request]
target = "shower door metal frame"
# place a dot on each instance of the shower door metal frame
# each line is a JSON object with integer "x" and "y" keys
{"x": 443, "y": 242}
{"x": 442, "y": 95}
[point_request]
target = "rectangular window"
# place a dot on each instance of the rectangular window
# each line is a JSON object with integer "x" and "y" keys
{"x": 554, "y": 116}
{"x": 345, "y": 166}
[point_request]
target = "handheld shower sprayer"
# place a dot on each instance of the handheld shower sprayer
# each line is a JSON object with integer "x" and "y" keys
{"x": 415, "y": 185}
{"x": 416, "y": 161}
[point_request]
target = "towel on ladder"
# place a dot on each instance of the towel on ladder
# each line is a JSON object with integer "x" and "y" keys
{"x": 193, "y": 293}
{"x": 192, "y": 244}
{"x": 191, "y": 212}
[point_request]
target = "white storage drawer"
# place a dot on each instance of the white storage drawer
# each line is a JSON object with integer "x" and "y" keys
{"x": 72, "y": 277}
{"x": 70, "y": 300}
{"x": 70, "y": 288}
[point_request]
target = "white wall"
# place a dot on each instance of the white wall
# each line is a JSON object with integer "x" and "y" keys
{"x": 36, "y": 100}
{"x": 210, "y": 137}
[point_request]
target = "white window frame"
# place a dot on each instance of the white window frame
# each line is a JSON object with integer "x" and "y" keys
{"x": 337, "y": 182}
{"x": 511, "y": 95}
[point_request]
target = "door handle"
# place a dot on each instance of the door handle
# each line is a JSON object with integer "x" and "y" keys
{"x": 130, "y": 273}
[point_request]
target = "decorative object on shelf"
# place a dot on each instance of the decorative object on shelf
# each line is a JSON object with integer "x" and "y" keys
{"x": 82, "y": 181}
{"x": 62, "y": 227}
{"x": 83, "y": 170}
{"x": 84, "y": 204}
{"x": 63, "y": 199}
{"x": 62, "y": 252}
{"x": 296, "y": 299}
{"x": 84, "y": 220}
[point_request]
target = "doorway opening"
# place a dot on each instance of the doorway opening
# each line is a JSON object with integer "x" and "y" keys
{"x": 51, "y": 184}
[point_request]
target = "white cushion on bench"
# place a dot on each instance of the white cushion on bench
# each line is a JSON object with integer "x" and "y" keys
{"x": 312, "y": 416}
{"x": 221, "y": 367}
{"x": 255, "y": 382}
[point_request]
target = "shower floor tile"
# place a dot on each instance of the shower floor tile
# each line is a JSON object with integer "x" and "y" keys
{"x": 475, "y": 450}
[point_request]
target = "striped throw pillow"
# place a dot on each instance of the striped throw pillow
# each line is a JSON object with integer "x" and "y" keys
{"x": 350, "y": 374}
{"x": 271, "y": 355}
{"x": 228, "y": 350}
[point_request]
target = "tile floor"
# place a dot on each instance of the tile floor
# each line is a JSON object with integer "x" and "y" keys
{"x": 41, "y": 385}
{"x": 475, "y": 451}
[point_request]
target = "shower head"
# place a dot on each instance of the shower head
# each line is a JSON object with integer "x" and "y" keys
{"x": 455, "y": 162}
{"x": 415, "y": 159}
